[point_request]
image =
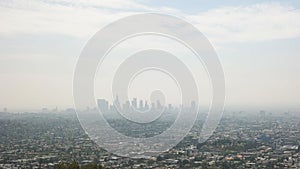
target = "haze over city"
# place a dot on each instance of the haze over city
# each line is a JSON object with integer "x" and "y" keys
{"x": 257, "y": 43}
{"x": 98, "y": 84}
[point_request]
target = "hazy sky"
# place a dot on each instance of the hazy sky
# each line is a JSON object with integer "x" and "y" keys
{"x": 258, "y": 43}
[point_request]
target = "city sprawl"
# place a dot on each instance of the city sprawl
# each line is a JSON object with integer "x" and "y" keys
{"x": 242, "y": 140}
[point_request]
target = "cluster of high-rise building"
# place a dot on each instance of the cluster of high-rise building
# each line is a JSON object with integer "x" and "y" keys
{"x": 128, "y": 106}
{"x": 135, "y": 105}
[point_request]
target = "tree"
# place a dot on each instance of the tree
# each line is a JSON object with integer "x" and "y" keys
{"x": 75, "y": 165}
{"x": 72, "y": 165}
{"x": 92, "y": 166}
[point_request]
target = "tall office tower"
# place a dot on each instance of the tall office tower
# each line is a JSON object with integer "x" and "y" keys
{"x": 126, "y": 106}
{"x": 152, "y": 106}
{"x": 141, "y": 105}
{"x": 112, "y": 108}
{"x": 134, "y": 103}
{"x": 170, "y": 107}
{"x": 116, "y": 103}
{"x": 146, "y": 105}
{"x": 262, "y": 113}
{"x": 103, "y": 105}
{"x": 193, "y": 105}
{"x": 158, "y": 105}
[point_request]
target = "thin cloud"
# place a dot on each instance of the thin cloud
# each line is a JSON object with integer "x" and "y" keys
{"x": 257, "y": 22}
{"x": 33, "y": 17}
{"x": 72, "y": 18}
{"x": 82, "y": 19}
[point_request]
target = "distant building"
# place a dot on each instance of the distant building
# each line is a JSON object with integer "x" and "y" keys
{"x": 170, "y": 107}
{"x": 126, "y": 106}
{"x": 159, "y": 106}
{"x": 193, "y": 104}
{"x": 134, "y": 103}
{"x": 262, "y": 114}
{"x": 45, "y": 110}
{"x": 146, "y": 105}
{"x": 141, "y": 105}
{"x": 116, "y": 103}
{"x": 103, "y": 105}
{"x": 152, "y": 106}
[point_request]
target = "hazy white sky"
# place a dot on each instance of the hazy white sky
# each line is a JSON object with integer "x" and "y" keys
{"x": 258, "y": 43}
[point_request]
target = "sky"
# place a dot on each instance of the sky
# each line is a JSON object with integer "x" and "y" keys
{"x": 258, "y": 44}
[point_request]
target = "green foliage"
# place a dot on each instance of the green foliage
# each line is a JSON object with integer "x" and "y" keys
{"x": 92, "y": 166}
{"x": 75, "y": 165}
{"x": 72, "y": 165}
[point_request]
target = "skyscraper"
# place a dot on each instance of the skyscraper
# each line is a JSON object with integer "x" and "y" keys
{"x": 146, "y": 105}
{"x": 103, "y": 105}
{"x": 152, "y": 106}
{"x": 158, "y": 105}
{"x": 117, "y": 102}
{"x": 170, "y": 107}
{"x": 126, "y": 106}
{"x": 134, "y": 103}
{"x": 141, "y": 105}
{"x": 193, "y": 104}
